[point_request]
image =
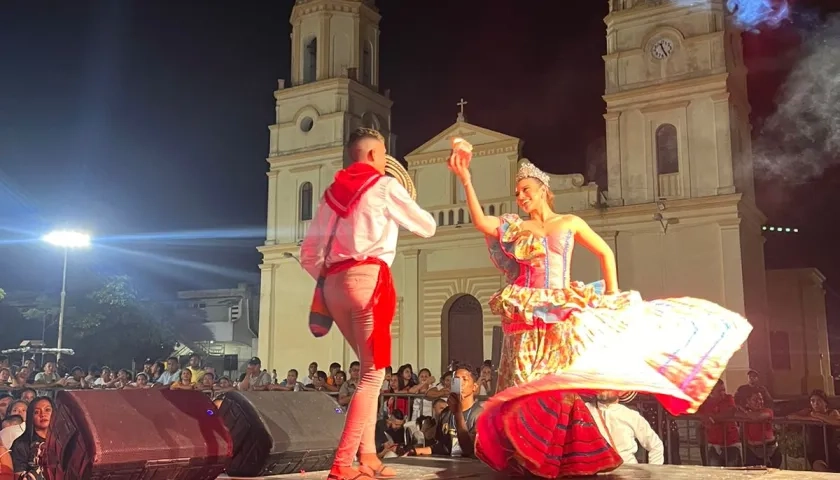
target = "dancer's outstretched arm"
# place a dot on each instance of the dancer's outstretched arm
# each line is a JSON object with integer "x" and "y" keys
{"x": 587, "y": 237}
{"x": 486, "y": 224}
{"x": 405, "y": 211}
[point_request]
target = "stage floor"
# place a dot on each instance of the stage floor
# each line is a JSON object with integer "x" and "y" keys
{"x": 444, "y": 468}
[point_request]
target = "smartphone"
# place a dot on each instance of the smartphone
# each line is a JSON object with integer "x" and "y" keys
{"x": 456, "y": 385}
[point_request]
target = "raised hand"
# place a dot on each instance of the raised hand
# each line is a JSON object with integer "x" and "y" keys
{"x": 459, "y": 165}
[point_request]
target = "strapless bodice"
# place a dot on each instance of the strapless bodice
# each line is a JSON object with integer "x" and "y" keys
{"x": 544, "y": 260}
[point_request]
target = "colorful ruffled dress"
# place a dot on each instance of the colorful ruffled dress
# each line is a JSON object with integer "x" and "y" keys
{"x": 564, "y": 338}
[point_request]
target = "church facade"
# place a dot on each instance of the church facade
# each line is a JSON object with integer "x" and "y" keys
{"x": 678, "y": 210}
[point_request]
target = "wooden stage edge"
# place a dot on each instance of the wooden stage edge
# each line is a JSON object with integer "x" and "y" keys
{"x": 445, "y": 469}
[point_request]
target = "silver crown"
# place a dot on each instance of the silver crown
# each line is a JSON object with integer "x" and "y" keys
{"x": 528, "y": 170}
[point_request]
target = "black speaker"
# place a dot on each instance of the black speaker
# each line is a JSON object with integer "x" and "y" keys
{"x": 276, "y": 433}
{"x": 135, "y": 434}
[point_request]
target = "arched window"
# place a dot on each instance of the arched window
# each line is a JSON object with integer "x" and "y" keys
{"x": 310, "y": 61}
{"x": 667, "y": 150}
{"x": 367, "y": 64}
{"x": 306, "y": 202}
{"x": 369, "y": 120}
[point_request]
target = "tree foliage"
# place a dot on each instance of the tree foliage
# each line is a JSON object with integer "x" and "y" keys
{"x": 113, "y": 325}
{"x": 110, "y": 324}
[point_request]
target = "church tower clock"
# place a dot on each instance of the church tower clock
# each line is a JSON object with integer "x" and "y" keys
{"x": 678, "y": 136}
{"x": 677, "y": 109}
{"x": 334, "y": 88}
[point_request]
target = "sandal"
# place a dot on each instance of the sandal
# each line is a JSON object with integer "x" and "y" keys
{"x": 378, "y": 472}
{"x": 360, "y": 476}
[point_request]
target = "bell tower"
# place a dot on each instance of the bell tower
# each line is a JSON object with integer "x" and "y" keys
{"x": 334, "y": 89}
{"x": 677, "y": 109}
{"x": 334, "y": 39}
{"x": 678, "y": 135}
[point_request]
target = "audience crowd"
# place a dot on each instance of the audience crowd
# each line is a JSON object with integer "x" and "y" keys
{"x": 423, "y": 415}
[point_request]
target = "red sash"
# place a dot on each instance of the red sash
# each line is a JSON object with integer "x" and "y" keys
{"x": 384, "y": 305}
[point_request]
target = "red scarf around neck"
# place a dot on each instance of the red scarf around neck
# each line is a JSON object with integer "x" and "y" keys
{"x": 349, "y": 185}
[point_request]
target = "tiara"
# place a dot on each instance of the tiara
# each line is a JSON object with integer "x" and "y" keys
{"x": 528, "y": 170}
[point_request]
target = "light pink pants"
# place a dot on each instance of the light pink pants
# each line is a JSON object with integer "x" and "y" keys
{"x": 347, "y": 295}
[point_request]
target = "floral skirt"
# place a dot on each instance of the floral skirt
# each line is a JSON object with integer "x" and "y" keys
{"x": 561, "y": 343}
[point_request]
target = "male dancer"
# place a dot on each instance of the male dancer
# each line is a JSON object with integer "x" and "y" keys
{"x": 362, "y": 210}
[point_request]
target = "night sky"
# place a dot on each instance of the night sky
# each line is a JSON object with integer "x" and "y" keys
{"x": 145, "y": 122}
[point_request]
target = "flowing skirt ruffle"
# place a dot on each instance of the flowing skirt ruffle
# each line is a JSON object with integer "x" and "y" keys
{"x": 547, "y": 434}
{"x": 578, "y": 340}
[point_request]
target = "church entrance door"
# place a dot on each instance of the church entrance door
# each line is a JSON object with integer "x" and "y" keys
{"x": 462, "y": 331}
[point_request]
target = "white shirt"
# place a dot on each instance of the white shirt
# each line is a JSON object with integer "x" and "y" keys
{"x": 624, "y": 426}
{"x": 371, "y": 229}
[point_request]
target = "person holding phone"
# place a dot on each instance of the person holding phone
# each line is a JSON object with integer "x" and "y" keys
{"x": 350, "y": 246}
{"x": 563, "y": 338}
{"x": 456, "y": 427}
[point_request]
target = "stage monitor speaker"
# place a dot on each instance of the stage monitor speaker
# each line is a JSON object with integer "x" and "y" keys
{"x": 275, "y": 433}
{"x": 136, "y": 434}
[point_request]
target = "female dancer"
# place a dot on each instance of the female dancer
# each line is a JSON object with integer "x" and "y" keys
{"x": 563, "y": 338}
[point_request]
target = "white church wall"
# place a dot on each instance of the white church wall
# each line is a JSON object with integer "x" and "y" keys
{"x": 431, "y": 190}
{"x": 341, "y": 44}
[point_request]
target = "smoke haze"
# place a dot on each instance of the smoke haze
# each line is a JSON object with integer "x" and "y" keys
{"x": 802, "y": 138}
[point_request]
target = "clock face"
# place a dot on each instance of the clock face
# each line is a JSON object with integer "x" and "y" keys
{"x": 662, "y": 48}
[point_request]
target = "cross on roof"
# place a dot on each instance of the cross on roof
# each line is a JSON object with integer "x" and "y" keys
{"x": 461, "y": 113}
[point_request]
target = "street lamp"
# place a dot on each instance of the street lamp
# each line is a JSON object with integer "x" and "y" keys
{"x": 65, "y": 239}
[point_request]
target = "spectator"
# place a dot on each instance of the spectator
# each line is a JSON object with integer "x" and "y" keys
{"x": 27, "y": 447}
{"x": 762, "y": 446}
{"x": 17, "y": 407}
{"x": 123, "y": 379}
{"x": 10, "y": 429}
{"x": 185, "y": 382}
{"x": 5, "y": 400}
{"x": 21, "y": 378}
{"x": 149, "y": 368}
{"x": 319, "y": 383}
{"x": 208, "y": 381}
{"x": 106, "y": 378}
{"x": 310, "y": 377}
{"x": 76, "y": 379}
{"x": 27, "y": 394}
{"x": 158, "y": 370}
{"x": 390, "y": 435}
{"x": 386, "y": 384}
{"x": 753, "y": 385}
{"x": 455, "y": 434}
{"x": 335, "y": 367}
{"x": 348, "y": 388}
{"x": 49, "y": 376}
{"x": 290, "y": 383}
{"x": 821, "y": 440}
{"x": 255, "y": 378}
{"x": 624, "y": 427}
{"x": 485, "y": 381}
{"x": 194, "y": 366}
{"x": 723, "y": 447}
{"x": 172, "y": 373}
{"x": 141, "y": 380}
